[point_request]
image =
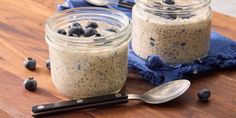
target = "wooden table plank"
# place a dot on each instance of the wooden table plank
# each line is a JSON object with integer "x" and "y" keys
{"x": 22, "y": 35}
{"x": 4, "y": 114}
{"x": 224, "y": 25}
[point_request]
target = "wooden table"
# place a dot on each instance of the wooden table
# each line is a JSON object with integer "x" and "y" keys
{"x": 22, "y": 35}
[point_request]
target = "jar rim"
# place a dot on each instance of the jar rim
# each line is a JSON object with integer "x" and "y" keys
{"x": 93, "y": 40}
{"x": 151, "y": 5}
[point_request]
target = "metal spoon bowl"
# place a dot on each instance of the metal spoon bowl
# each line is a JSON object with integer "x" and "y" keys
{"x": 111, "y": 3}
{"x": 163, "y": 93}
{"x": 101, "y": 2}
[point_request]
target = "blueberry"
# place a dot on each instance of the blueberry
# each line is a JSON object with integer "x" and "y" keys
{"x": 89, "y": 32}
{"x": 48, "y": 64}
{"x": 92, "y": 24}
{"x": 169, "y": 2}
{"x": 203, "y": 95}
{"x": 61, "y": 31}
{"x": 30, "y": 63}
{"x": 30, "y": 84}
{"x": 75, "y": 30}
{"x": 75, "y": 25}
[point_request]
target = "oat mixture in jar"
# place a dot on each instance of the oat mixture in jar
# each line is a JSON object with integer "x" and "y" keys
{"x": 176, "y": 30}
{"x": 93, "y": 64}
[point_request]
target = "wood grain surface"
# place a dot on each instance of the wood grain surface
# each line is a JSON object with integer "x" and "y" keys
{"x": 22, "y": 35}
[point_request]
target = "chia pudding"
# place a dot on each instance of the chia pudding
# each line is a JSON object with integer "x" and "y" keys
{"x": 178, "y": 32}
{"x": 89, "y": 65}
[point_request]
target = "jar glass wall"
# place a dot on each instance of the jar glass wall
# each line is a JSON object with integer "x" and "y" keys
{"x": 178, "y": 32}
{"x": 89, "y": 66}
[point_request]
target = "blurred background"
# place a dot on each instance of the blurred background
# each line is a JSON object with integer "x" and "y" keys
{"x": 227, "y": 7}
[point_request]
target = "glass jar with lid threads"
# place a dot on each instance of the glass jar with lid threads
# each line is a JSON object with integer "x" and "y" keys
{"x": 177, "y": 31}
{"x": 84, "y": 66}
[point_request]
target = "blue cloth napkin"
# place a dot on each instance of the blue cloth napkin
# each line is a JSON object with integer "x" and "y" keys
{"x": 82, "y": 3}
{"x": 222, "y": 55}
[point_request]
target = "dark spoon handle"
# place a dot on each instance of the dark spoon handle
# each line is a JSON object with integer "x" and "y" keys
{"x": 80, "y": 104}
{"x": 125, "y": 4}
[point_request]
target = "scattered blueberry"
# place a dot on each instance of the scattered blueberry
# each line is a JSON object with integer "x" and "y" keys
{"x": 48, "y": 64}
{"x": 169, "y": 2}
{"x": 61, "y": 31}
{"x": 30, "y": 84}
{"x": 92, "y": 24}
{"x": 75, "y": 30}
{"x": 30, "y": 63}
{"x": 89, "y": 32}
{"x": 203, "y": 95}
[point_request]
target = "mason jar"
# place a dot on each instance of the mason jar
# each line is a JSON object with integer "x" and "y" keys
{"x": 89, "y": 66}
{"x": 177, "y": 31}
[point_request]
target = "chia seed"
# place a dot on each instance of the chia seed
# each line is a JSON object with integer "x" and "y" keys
{"x": 183, "y": 44}
{"x": 152, "y": 39}
{"x": 152, "y": 44}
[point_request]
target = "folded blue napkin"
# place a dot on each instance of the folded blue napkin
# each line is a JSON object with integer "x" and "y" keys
{"x": 222, "y": 55}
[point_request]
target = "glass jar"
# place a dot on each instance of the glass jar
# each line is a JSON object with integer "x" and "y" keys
{"x": 85, "y": 67}
{"x": 178, "y": 32}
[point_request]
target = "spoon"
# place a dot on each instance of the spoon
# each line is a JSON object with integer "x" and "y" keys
{"x": 161, "y": 94}
{"x": 102, "y": 3}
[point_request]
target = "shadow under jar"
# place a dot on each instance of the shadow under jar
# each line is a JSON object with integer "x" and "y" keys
{"x": 89, "y": 66}
{"x": 177, "y": 31}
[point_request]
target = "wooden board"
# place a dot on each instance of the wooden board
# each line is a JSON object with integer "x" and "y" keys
{"x": 22, "y": 35}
